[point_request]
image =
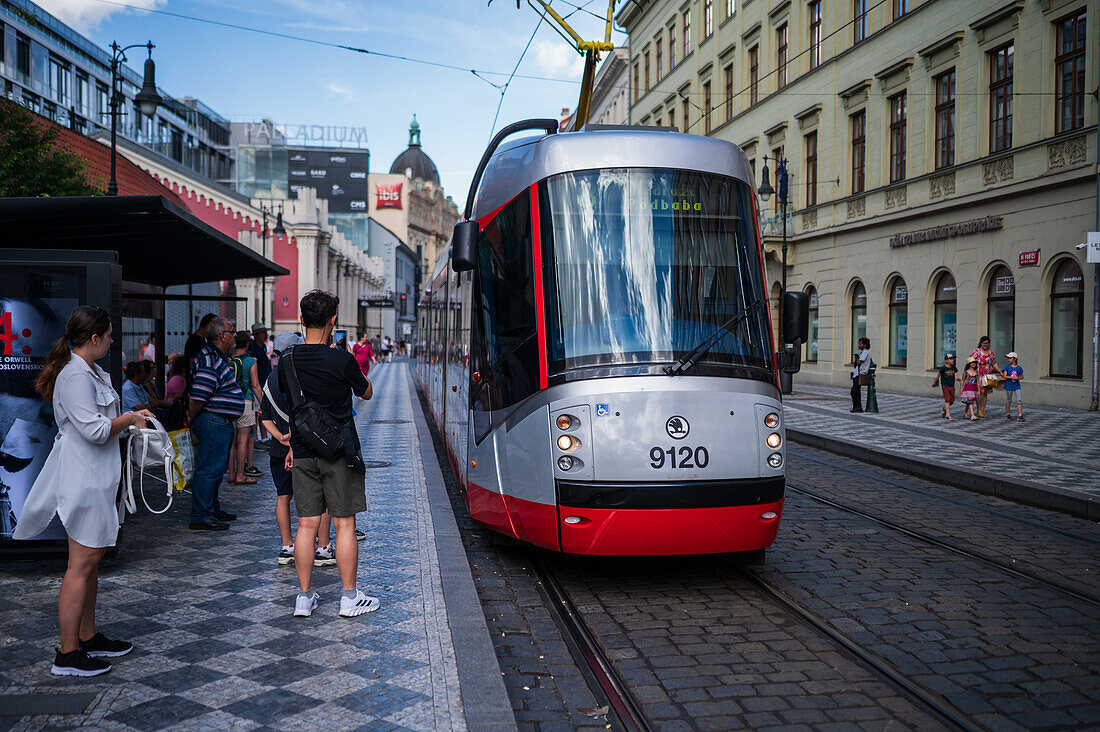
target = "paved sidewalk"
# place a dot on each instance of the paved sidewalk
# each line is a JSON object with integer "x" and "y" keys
{"x": 217, "y": 646}
{"x": 1052, "y": 460}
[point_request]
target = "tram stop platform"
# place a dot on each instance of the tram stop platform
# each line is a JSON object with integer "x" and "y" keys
{"x": 1052, "y": 460}
{"x": 210, "y": 614}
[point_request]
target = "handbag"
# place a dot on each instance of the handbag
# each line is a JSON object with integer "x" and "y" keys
{"x": 323, "y": 434}
{"x": 864, "y": 379}
{"x": 148, "y": 448}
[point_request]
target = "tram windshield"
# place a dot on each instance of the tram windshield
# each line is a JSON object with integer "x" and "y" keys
{"x": 644, "y": 264}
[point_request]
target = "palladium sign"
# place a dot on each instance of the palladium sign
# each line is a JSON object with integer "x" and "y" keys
{"x": 306, "y": 134}
{"x": 975, "y": 226}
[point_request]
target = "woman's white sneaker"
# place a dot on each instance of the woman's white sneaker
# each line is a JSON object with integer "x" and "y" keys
{"x": 352, "y": 606}
{"x": 305, "y": 604}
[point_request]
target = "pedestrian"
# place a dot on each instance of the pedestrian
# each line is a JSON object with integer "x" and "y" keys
{"x": 177, "y": 378}
{"x": 134, "y": 396}
{"x": 987, "y": 366}
{"x": 196, "y": 342}
{"x": 1013, "y": 372}
{"x": 78, "y": 483}
{"x": 861, "y": 374}
{"x": 326, "y": 379}
{"x": 216, "y": 402}
{"x": 376, "y": 346}
{"x": 149, "y": 353}
{"x": 259, "y": 349}
{"x": 246, "y": 374}
{"x": 946, "y": 379}
{"x": 363, "y": 353}
{"x": 970, "y": 390}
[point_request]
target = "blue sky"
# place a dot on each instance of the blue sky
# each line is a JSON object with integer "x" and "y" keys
{"x": 248, "y": 76}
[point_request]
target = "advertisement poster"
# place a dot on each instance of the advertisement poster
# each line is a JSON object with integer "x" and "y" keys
{"x": 339, "y": 176}
{"x": 35, "y": 303}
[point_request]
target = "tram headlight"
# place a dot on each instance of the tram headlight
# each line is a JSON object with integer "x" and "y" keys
{"x": 565, "y": 462}
{"x": 568, "y": 442}
{"x": 771, "y": 421}
{"x": 564, "y": 421}
{"x": 775, "y": 460}
{"x": 773, "y": 440}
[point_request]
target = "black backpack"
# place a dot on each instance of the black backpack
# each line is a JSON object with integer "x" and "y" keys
{"x": 320, "y": 431}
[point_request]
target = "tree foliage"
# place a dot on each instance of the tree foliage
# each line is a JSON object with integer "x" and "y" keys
{"x": 32, "y": 162}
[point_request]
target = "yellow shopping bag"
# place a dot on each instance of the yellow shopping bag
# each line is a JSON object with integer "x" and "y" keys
{"x": 184, "y": 464}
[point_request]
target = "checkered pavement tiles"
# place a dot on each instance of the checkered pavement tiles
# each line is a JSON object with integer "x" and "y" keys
{"x": 217, "y": 646}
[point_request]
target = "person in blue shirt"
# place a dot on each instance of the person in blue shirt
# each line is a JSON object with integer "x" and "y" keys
{"x": 134, "y": 396}
{"x": 1013, "y": 373}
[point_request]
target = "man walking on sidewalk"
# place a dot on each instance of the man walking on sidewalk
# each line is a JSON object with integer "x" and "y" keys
{"x": 861, "y": 374}
{"x": 318, "y": 383}
{"x": 216, "y": 401}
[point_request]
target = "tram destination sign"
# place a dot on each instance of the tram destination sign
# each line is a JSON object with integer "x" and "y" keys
{"x": 947, "y": 231}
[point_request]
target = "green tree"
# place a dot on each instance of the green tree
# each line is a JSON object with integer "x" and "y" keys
{"x": 32, "y": 162}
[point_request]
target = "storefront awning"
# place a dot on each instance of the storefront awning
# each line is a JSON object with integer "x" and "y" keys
{"x": 158, "y": 242}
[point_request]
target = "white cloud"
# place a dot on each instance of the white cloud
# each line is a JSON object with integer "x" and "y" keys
{"x": 337, "y": 89}
{"x": 84, "y": 15}
{"x": 558, "y": 60}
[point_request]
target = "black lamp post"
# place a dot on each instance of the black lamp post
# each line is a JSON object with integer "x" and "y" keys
{"x": 148, "y": 99}
{"x": 278, "y": 231}
{"x": 765, "y": 191}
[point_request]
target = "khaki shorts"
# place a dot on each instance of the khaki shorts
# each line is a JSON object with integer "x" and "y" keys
{"x": 320, "y": 485}
{"x": 248, "y": 417}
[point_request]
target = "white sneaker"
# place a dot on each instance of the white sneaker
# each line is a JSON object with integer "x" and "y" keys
{"x": 305, "y": 604}
{"x": 324, "y": 556}
{"x": 357, "y": 605}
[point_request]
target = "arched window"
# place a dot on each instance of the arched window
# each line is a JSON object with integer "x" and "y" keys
{"x": 946, "y": 304}
{"x": 859, "y": 315}
{"x": 899, "y": 322}
{"x": 1002, "y": 311}
{"x": 1067, "y": 312}
{"x": 811, "y": 344}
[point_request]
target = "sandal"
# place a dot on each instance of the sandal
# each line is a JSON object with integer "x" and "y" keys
{"x": 246, "y": 481}
{"x": 952, "y": 419}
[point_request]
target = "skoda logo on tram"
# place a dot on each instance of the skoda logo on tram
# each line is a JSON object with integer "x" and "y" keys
{"x": 677, "y": 427}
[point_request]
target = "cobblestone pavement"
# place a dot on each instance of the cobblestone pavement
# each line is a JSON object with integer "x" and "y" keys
{"x": 217, "y": 646}
{"x": 1056, "y": 446}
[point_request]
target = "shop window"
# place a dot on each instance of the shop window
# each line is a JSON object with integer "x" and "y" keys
{"x": 1069, "y": 73}
{"x": 899, "y": 322}
{"x": 1000, "y": 98}
{"x": 811, "y": 344}
{"x": 859, "y": 315}
{"x": 1067, "y": 312}
{"x": 945, "y": 317}
{"x": 1002, "y": 311}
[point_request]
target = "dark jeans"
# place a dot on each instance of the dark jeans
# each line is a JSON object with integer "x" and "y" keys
{"x": 857, "y": 395}
{"x": 213, "y": 435}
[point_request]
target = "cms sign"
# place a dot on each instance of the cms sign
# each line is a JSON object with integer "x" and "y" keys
{"x": 389, "y": 195}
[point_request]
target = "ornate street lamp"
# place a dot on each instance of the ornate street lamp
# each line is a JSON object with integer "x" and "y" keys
{"x": 765, "y": 192}
{"x": 147, "y": 99}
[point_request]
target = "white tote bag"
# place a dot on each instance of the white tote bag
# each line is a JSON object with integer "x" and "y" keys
{"x": 148, "y": 448}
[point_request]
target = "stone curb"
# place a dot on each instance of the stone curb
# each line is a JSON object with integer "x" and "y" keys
{"x": 484, "y": 699}
{"x": 1020, "y": 491}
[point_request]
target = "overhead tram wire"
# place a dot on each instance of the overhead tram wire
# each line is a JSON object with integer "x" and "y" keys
{"x": 504, "y": 88}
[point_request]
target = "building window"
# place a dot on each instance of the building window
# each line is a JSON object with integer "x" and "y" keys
{"x": 645, "y": 62}
{"x": 103, "y": 104}
{"x": 657, "y": 51}
{"x": 815, "y": 34}
{"x": 859, "y": 150}
{"x": 708, "y": 18}
{"x": 859, "y": 21}
{"x": 706, "y": 107}
{"x": 672, "y": 45}
{"x": 687, "y": 32}
{"x": 728, "y": 71}
{"x": 946, "y": 313}
{"x": 685, "y": 114}
{"x": 901, "y": 7}
{"x": 898, "y": 113}
{"x": 59, "y": 81}
{"x": 731, "y": 7}
{"x": 1000, "y": 98}
{"x": 1067, "y": 312}
{"x": 1069, "y": 73}
{"x": 899, "y": 322}
{"x": 811, "y": 344}
{"x": 1002, "y": 311}
{"x": 637, "y": 83}
{"x": 945, "y": 119}
{"x": 859, "y": 316}
{"x": 754, "y": 75}
{"x": 83, "y": 95}
{"x": 781, "y": 54}
{"x": 810, "y": 144}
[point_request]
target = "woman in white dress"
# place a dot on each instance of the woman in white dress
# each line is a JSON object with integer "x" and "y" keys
{"x": 79, "y": 483}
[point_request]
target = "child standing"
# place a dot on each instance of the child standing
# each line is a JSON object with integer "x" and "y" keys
{"x": 946, "y": 379}
{"x": 970, "y": 388}
{"x": 1013, "y": 373}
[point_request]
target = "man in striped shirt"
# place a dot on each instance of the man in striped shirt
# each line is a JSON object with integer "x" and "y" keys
{"x": 216, "y": 401}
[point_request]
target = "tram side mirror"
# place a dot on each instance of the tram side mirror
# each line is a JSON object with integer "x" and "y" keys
{"x": 464, "y": 246}
{"x": 796, "y": 316}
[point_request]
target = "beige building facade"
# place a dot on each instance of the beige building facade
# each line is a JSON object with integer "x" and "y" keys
{"x": 941, "y": 160}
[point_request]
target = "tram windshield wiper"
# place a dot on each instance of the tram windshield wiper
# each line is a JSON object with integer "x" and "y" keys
{"x": 688, "y": 360}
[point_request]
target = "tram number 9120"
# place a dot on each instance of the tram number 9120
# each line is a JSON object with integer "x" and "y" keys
{"x": 679, "y": 457}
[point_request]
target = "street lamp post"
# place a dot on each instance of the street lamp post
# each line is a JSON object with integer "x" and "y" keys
{"x": 277, "y": 232}
{"x": 766, "y": 192}
{"x": 148, "y": 99}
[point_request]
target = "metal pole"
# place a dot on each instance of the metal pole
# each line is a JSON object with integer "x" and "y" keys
{"x": 1096, "y": 278}
{"x": 783, "y": 202}
{"x": 263, "y": 280}
{"x": 112, "y": 186}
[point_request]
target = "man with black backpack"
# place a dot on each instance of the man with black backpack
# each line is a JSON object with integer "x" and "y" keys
{"x": 318, "y": 383}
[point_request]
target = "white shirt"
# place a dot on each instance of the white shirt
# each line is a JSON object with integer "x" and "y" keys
{"x": 864, "y": 365}
{"x": 150, "y": 353}
{"x": 80, "y": 478}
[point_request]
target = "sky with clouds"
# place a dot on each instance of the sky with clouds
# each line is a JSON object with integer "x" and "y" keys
{"x": 247, "y": 76}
